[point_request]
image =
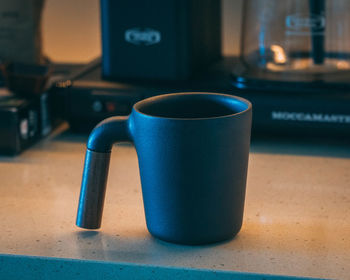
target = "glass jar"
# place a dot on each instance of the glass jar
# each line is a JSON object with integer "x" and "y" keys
{"x": 296, "y": 36}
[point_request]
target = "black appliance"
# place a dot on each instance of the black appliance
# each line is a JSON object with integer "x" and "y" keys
{"x": 88, "y": 99}
{"x": 295, "y": 58}
{"x": 159, "y": 40}
{"x": 27, "y": 118}
{"x": 24, "y": 121}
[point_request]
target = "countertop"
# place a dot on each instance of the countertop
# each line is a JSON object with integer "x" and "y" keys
{"x": 296, "y": 219}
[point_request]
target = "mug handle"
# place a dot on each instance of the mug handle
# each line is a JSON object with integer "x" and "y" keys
{"x": 97, "y": 158}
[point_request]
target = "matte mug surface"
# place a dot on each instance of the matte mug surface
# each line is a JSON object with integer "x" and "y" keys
{"x": 193, "y": 153}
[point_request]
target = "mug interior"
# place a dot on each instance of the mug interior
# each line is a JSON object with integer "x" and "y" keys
{"x": 192, "y": 105}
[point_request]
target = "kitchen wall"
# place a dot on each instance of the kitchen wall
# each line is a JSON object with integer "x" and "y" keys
{"x": 71, "y": 29}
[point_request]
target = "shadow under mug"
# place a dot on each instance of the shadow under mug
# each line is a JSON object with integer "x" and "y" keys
{"x": 193, "y": 153}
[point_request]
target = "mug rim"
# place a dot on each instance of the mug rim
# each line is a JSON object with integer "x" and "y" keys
{"x": 160, "y": 97}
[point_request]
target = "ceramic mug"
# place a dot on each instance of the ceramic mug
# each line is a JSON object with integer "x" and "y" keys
{"x": 193, "y": 155}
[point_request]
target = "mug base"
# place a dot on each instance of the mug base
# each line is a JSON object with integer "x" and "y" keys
{"x": 196, "y": 241}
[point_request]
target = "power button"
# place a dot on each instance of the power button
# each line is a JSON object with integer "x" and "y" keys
{"x": 97, "y": 106}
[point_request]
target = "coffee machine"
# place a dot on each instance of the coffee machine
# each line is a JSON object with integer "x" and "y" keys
{"x": 158, "y": 40}
{"x": 295, "y": 58}
{"x": 292, "y": 67}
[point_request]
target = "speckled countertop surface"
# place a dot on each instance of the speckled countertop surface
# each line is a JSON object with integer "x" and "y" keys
{"x": 296, "y": 222}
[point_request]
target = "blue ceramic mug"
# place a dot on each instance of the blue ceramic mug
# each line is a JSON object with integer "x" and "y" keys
{"x": 193, "y": 155}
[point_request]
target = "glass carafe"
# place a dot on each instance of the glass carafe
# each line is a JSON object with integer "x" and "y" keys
{"x": 296, "y": 37}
